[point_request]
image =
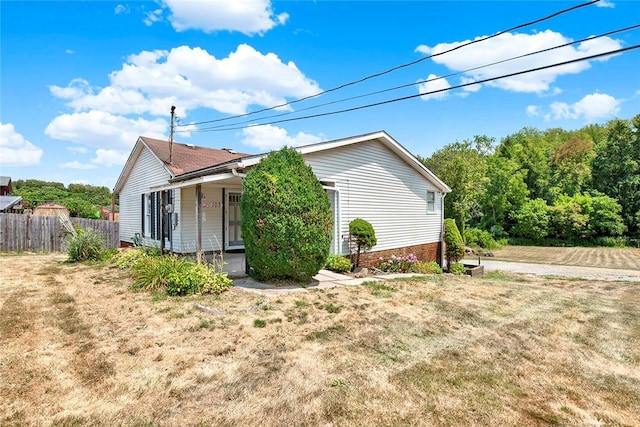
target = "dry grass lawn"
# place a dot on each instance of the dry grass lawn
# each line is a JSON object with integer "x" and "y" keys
{"x": 619, "y": 258}
{"x": 78, "y": 348}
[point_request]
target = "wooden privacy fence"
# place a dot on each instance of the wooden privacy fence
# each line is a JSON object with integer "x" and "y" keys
{"x": 36, "y": 233}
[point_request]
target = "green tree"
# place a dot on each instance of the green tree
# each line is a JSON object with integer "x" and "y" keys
{"x": 286, "y": 218}
{"x": 616, "y": 169}
{"x": 530, "y": 149}
{"x": 571, "y": 164}
{"x": 505, "y": 192}
{"x": 531, "y": 221}
{"x": 462, "y": 166}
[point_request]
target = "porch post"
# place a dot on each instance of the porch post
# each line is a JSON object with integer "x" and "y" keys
{"x": 199, "y": 223}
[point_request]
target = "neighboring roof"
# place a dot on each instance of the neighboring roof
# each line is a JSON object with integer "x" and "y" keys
{"x": 5, "y": 180}
{"x": 7, "y": 202}
{"x": 185, "y": 158}
{"x": 381, "y": 136}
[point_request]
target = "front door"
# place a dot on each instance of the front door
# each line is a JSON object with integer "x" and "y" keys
{"x": 234, "y": 221}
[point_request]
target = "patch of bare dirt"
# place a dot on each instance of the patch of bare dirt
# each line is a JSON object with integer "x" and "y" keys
{"x": 78, "y": 347}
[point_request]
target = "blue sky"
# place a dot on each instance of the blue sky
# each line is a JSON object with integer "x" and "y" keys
{"x": 81, "y": 80}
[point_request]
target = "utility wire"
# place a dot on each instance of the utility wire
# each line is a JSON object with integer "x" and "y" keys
{"x": 221, "y": 126}
{"x": 408, "y": 64}
{"x": 361, "y": 107}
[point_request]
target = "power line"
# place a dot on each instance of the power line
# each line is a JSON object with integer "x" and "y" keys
{"x": 376, "y": 104}
{"x": 224, "y": 126}
{"x": 408, "y": 64}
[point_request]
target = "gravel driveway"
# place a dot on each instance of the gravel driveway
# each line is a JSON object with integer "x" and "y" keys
{"x": 589, "y": 273}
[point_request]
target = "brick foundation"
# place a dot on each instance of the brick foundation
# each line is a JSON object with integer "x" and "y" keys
{"x": 124, "y": 244}
{"x": 425, "y": 252}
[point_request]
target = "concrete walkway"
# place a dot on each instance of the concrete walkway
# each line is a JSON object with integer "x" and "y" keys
{"x": 234, "y": 266}
{"x": 323, "y": 280}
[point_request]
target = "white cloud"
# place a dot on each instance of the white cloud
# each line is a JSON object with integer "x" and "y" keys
{"x": 592, "y": 107}
{"x": 533, "y": 110}
{"x": 605, "y": 3}
{"x": 246, "y": 16}
{"x": 433, "y": 83}
{"x": 270, "y": 137}
{"x": 79, "y": 150}
{"x": 120, "y": 9}
{"x": 16, "y": 150}
{"x": 110, "y": 157}
{"x": 69, "y": 52}
{"x": 509, "y": 45}
{"x": 152, "y": 17}
{"x": 470, "y": 88}
{"x": 77, "y": 165}
{"x": 190, "y": 78}
{"x": 101, "y": 129}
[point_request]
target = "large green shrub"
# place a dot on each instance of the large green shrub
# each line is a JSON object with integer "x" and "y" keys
{"x": 481, "y": 238}
{"x": 363, "y": 236}
{"x": 453, "y": 241}
{"x": 286, "y": 219}
{"x": 85, "y": 245}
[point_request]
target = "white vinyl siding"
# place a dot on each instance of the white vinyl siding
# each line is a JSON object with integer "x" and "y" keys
{"x": 376, "y": 185}
{"x": 146, "y": 172}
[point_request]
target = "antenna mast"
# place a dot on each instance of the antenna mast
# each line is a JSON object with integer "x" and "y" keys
{"x": 173, "y": 114}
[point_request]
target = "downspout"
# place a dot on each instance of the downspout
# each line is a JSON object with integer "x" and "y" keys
{"x": 235, "y": 172}
{"x": 442, "y": 244}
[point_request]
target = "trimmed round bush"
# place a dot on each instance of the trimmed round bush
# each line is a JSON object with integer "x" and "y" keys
{"x": 286, "y": 219}
{"x": 362, "y": 235}
{"x": 453, "y": 240}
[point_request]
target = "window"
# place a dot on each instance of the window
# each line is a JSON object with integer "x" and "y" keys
{"x": 147, "y": 211}
{"x": 431, "y": 201}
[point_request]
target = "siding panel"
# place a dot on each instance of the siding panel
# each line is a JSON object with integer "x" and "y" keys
{"x": 146, "y": 173}
{"x": 376, "y": 185}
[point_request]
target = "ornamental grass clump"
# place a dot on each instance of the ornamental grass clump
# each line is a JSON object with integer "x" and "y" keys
{"x": 85, "y": 245}
{"x": 178, "y": 276}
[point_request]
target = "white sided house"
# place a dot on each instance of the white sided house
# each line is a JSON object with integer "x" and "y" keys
{"x": 186, "y": 199}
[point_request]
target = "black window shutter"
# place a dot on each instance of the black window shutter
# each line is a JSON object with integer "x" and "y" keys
{"x": 158, "y": 215}
{"x": 153, "y": 216}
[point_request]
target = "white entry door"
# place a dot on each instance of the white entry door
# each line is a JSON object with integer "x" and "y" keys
{"x": 234, "y": 221}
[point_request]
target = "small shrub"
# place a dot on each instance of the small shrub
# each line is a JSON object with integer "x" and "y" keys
{"x": 338, "y": 263}
{"x": 395, "y": 264}
{"x": 129, "y": 258}
{"x": 363, "y": 236}
{"x": 85, "y": 245}
{"x": 428, "y": 267}
{"x": 453, "y": 241}
{"x": 457, "y": 268}
{"x": 259, "y": 323}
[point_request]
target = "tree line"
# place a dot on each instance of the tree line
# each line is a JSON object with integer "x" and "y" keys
{"x": 546, "y": 187}
{"x": 82, "y": 200}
